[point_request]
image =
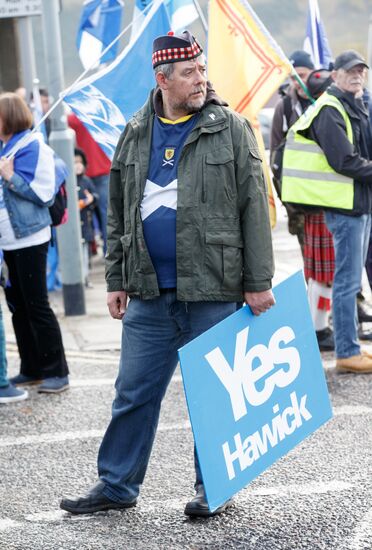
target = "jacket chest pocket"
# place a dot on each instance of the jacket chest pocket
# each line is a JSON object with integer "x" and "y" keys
{"x": 218, "y": 182}
{"x": 224, "y": 259}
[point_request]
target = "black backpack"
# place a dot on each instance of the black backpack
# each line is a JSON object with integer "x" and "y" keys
{"x": 58, "y": 211}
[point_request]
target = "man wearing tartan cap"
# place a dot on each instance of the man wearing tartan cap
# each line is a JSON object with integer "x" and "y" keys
{"x": 188, "y": 237}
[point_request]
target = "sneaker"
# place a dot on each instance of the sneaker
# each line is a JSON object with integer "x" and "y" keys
{"x": 56, "y": 384}
{"x": 358, "y": 364}
{"x": 10, "y": 394}
{"x": 23, "y": 380}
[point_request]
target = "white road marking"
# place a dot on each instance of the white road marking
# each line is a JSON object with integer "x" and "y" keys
{"x": 8, "y": 524}
{"x": 91, "y": 382}
{"x": 145, "y": 505}
{"x": 89, "y": 434}
{"x": 351, "y": 410}
{"x": 52, "y": 516}
{"x": 71, "y": 436}
{"x": 305, "y": 489}
{"x": 77, "y": 356}
{"x": 363, "y": 533}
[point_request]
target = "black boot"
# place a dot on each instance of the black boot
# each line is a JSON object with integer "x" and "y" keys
{"x": 93, "y": 501}
{"x": 364, "y": 315}
{"x": 325, "y": 339}
{"x": 198, "y": 506}
{"x": 363, "y": 334}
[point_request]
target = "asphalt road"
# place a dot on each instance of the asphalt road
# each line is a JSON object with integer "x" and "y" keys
{"x": 317, "y": 497}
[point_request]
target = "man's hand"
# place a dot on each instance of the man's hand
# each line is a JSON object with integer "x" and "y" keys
{"x": 6, "y": 168}
{"x": 117, "y": 303}
{"x": 259, "y": 302}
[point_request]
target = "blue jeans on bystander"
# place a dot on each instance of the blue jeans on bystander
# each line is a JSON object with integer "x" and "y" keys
{"x": 350, "y": 239}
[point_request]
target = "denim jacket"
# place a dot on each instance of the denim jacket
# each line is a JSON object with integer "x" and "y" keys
{"x": 31, "y": 189}
{"x": 27, "y": 213}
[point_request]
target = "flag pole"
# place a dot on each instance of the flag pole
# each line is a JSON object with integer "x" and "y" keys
{"x": 23, "y": 142}
{"x": 297, "y": 77}
{"x": 201, "y": 15}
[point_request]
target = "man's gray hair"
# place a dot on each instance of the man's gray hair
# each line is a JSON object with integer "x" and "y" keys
{"x": 166, "y": 68}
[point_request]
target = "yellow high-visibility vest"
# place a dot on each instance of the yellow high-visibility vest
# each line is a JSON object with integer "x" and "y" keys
{"x": 307, "y": 176}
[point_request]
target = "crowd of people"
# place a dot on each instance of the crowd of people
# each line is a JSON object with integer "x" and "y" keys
{"x": 324, "y": 181}
{"x": 191, "y": 240}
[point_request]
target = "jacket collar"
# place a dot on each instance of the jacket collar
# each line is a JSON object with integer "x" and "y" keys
{"x": 354, "y": 107}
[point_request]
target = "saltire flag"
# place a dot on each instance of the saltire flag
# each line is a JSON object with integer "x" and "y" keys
{"x": 245, "y": 65}
{"x": 316, "y": 43}
{"x": 107, "y": 99}
{"x": 42, "y": 171}
{"x": 181, "y": 14}
{"x": 99, "y": 25}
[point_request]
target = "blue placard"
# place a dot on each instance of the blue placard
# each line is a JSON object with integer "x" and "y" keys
{"x": 255, "y": 388}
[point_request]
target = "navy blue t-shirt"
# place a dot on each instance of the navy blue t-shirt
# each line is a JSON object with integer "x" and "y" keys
{"x": 159, "y": 203}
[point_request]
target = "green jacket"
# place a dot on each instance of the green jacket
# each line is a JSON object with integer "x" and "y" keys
{"x": 223, "y": 240}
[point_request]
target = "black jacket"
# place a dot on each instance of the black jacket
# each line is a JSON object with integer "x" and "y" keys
{"x": 329, "y": 131}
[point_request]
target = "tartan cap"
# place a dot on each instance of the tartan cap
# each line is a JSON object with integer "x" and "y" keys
{"x": 171, "y": 48}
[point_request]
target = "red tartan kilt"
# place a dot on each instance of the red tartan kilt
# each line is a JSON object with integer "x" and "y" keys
{"x": 319, "y": 256}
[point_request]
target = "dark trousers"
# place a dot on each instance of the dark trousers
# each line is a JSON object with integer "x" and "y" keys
{"x": 36, "y": 328}
{"x": 369, "y": 261}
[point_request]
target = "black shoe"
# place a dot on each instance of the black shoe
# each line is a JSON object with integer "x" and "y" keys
{"x": 325, "y": 339}
{"x": 364, "y": 316}
{"x": 363, "y": 335}
{"x": 93, "y": 501}
{"x": 198, "y": 506}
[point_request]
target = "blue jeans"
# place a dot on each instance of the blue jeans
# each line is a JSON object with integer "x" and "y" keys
{"x": 350, "y": 239}
{"x": 153, "y": 330}
{"x": 3, "y": 362}
{"x": 101, "y": 185}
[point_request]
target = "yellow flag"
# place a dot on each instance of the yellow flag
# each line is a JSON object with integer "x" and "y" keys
{"x": 245, "y": 64}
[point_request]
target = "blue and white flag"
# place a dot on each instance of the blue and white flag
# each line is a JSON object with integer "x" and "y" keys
{"x": 181, "y": 14}
{"x": 105, "y": 101}
{"x": 41, "y": 170}
{"x": 316, "y": 43}
{"x": 100, "y": 24}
